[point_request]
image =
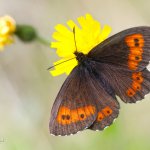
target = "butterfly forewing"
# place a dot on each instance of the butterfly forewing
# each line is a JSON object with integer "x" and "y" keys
{"x": 129, "y": 49}
{"x": 129, "y": 86}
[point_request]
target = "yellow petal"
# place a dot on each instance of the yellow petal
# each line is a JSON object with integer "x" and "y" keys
{"x": 71, "y": 24}
{"x": 64, "y": 66}
{"x": 105, "y": 32}
{"x": 7, "y": 25}
{"x": 7, "y": 29}
{"x": 62, "y": 29}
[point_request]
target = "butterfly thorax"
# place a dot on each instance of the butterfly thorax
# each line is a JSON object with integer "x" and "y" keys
{"x": 80, "y": 57}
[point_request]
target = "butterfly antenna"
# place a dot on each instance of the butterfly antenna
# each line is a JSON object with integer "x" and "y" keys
{"x": 60, "y": 63}
{"x": 74, "y": 38}
{"x": 75, "y": 51}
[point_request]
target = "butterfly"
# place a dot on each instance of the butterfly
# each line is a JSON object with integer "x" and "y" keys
{"x": 115, "y": 67}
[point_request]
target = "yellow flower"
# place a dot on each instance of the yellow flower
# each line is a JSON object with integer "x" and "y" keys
{"x": 7, "y": 29}
{"x": 87, "y": 36}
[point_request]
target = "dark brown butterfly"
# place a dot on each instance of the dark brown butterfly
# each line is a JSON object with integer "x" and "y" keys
{"x": 117, "y": 66}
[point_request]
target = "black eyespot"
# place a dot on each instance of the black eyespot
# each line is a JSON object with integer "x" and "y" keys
{"x": 136, "y": 40}
{"x": 100, "y": 118}
{"x": 137, "y": 78}
{"x": 137, "y": 58}
{"x": 137, "y": 44}
{"x": 108, "y": 112}
{"x": 67, "y": 117}
{"x": 82, "y": 115}
{"x": 63, "y": 117}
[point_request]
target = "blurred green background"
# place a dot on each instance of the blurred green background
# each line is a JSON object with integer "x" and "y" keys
{"x": 27, "y": 90}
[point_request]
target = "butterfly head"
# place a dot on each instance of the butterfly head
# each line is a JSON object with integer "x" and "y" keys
{"x": 80, "y": 57}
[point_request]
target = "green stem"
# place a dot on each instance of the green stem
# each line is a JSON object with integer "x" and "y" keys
{"x": 43, "y": 41}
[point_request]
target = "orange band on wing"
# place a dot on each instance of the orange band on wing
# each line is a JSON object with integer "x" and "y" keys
{"x": 130, "y": 92}
{"x": 68, "y": 116}
{"x": 136, "y": 43}
{"x": 107, "y": 111}
{"x": 100, "y": 116}
{"x": 137, "y": 80}
{"x": 137, "y": 76}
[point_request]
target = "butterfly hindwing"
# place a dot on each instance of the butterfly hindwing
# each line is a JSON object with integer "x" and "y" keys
{"x": 74, "y": 108}
{"x": 107, "y": 104}
{"x": 80, "y": 101}
{"x": 107, "y": 112}
{"x": 129, "y": 86}
{"x": 129, "y": 49}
